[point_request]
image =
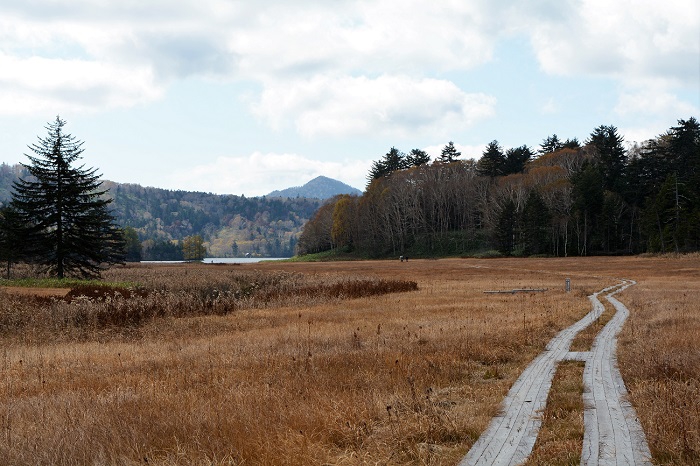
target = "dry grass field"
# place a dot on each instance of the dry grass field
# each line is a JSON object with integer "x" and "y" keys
{"x": 328, "y": 363}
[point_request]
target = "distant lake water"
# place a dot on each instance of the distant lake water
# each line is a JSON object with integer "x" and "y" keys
{"x": 224, "y": 260}
{"x": 240, "y": 260}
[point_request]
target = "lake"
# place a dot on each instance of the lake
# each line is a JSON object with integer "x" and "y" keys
{"x": 240, "y": 260}
{"x": 224, "y": 260}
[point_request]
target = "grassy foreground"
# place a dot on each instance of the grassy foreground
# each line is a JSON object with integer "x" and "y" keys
{"x": 324, "y": 363}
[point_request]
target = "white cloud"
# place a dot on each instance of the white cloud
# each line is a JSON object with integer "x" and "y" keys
{"x": 346, "y": 67}
{"x": 265, "y": 42}
{"x": 405, "y": 37}
{"x": 625, "y": 39}
{"x": 258, "y": 174}
{"x": 40, "y": 85}
{"x": 387, "y": 105}
{"x": 654, "y": 100}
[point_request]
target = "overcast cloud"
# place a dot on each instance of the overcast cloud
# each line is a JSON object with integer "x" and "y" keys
{"x": 334, "y": 73}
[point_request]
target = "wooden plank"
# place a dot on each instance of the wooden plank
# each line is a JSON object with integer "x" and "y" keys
{"x": 517, "y": 290}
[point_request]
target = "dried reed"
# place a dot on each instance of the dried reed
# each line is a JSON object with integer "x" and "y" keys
{"x": 267, "y": 365}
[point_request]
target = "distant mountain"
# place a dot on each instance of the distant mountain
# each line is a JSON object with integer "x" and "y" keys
{"x": 320, "y": 187}
{"x": 230, "y": 225}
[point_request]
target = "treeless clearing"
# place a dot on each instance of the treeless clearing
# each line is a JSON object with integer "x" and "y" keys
{"x": 398, "y": 378}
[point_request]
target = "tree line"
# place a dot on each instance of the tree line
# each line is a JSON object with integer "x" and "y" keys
{"x": 157, "y": 222}
{"x": 567, "y": 198}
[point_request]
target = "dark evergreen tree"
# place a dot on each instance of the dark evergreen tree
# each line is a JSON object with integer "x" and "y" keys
{"x": 516, "y": 159}
{"x": 164, "y": 251}
{"x": 550, "y": 144}
{"x": 535, "y": 225}
{"x": 492, "y": 162}
{"x": 377, "y": 171}
{"x": 417, "y": 158}
{"x": 64, "y": 215}
{"x": 449, "y": 153}
{"x": 613, "y": 223}
{"x": 610, "y": 155}
{"x": 588, "y": 197}
{"x": 683, "y": 152}
{"x": 11, "y": 238}
{"x": 506, "y": 228}
{"x": 671, "y": 217}
{"x": 571, "y": 144}
{"x": 392, "y": 161}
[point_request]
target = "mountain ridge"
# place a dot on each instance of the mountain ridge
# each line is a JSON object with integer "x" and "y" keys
{"x": 321, "y": 187}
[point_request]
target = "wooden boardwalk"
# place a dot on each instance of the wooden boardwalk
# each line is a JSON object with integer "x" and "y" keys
{"x": 510, "y": 437}
{"x": 613, "y": 435}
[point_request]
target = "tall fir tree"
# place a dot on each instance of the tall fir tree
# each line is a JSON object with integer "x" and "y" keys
{"x": 392, "y": 161}
{"x": 506, "y": 228}
{"x": 62, "y": 210}
{"x": 516, "y": 159}
{"x": 492, "y": 162}
{"x": 535, "y": 225}
{"x": 610, "y": 155}
{"x": 418, "y": 157}
{"x": 550, "y": 144}
{"x": 448, "y": 154}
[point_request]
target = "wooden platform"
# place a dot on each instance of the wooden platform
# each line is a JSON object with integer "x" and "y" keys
{"x": 612, "y": 433}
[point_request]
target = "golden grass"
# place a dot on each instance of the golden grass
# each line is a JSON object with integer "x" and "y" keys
{"x": 660, "y": 359}
{"x": 401, "y": 378}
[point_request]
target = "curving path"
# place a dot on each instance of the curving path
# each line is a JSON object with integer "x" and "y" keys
{"x": 612, "y": 435}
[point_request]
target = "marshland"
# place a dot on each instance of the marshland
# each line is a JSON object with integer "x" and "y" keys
{"x": 366, "y": 362}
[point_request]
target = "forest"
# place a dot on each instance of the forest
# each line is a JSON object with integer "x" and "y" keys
{"x": 230, "y": 225}
{"x": 599, "y": 197}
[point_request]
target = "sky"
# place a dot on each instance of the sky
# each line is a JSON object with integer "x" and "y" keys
{"x": 246, "y": 97}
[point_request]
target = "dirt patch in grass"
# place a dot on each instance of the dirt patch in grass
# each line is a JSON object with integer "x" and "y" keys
{"x": 40, "y": 292}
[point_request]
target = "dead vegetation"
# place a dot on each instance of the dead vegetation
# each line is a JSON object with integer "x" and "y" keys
{"x": 660, "y": 358}
{"x": 561, "y": 436}
{"x": 296, "y": 369}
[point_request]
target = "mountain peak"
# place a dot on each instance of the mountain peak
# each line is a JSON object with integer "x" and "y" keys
{"x": 320, "y": 187}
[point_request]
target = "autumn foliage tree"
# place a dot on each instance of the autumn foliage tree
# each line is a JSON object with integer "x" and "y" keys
{"x": 193, "y": 248}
